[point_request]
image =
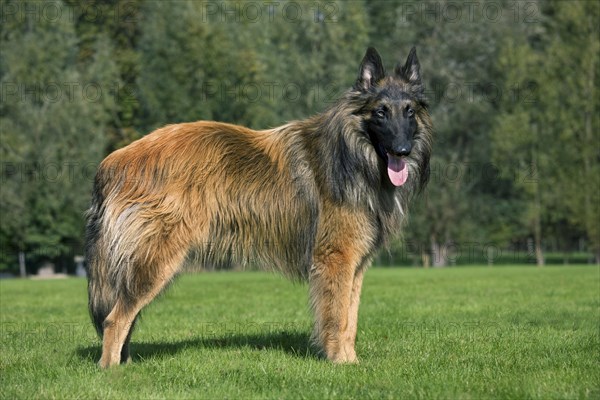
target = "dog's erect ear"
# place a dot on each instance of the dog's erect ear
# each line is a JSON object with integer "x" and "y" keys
{"x": 371, "y": 71}
{"x": 410, "y": 72}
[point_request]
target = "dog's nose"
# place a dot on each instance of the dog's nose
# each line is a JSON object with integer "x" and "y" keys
{"x": 403, "y": 151}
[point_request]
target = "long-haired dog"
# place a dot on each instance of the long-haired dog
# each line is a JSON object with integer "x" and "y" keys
{"x": 314, "y": 199}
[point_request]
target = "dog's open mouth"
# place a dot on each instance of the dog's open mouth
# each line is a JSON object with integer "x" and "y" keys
{"x": 397, "y": 169}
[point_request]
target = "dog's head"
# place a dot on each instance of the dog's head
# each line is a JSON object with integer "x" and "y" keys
{"x": 395, "y": 115}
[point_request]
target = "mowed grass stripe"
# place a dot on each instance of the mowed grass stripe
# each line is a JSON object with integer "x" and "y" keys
{"x": 467, "y": 333}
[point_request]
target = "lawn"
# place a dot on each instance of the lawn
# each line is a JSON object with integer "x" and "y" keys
{"x": 456, "y": 333}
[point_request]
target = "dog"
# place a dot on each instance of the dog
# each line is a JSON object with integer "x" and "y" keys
{"x": 314, "y": 199}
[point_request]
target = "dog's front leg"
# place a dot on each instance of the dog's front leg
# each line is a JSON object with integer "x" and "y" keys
{"x": 331, "y": 288}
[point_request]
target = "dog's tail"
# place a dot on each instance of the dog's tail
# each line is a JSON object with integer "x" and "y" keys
{"x": 102, "y": 290}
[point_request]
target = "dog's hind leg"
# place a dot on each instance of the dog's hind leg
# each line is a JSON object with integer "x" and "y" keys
{"x": 125, "y": 356}
{"x": 147, "y": 283}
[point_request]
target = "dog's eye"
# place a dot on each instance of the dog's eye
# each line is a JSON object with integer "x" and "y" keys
{"x": 410, "y": 112}
{"x": 380, "y": 114}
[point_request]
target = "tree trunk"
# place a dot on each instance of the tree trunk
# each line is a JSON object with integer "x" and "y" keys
{"x": 439, "y": 253}
{"x": 490, "y": 257}
{"x": 425, "y": 259}
{"x": 22, "y": 269}
{"x": 537, "y": 219}
{"x": 539, "y": 253}
{"x": 590, "y": 218}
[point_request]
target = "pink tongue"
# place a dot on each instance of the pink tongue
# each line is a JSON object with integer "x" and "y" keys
{"x": 397, "y": 170}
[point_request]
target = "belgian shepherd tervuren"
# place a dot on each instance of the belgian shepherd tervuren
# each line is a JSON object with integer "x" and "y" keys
{"x": 313, "y": 199}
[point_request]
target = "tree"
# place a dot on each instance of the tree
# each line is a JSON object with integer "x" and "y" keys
{"x": 53, "y": 108}
{"x": 572, "y": 100}
{"x": 545, "y": 134}
{"x": 457, "y": 60}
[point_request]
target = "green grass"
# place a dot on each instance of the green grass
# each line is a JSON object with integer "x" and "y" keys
{"x": 459, "y": 333}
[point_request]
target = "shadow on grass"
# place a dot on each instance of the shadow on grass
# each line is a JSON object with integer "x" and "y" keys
{"x": 294, "y": 343}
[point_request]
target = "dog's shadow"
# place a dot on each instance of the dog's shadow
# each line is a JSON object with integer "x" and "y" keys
{"x": 294, "y": 343}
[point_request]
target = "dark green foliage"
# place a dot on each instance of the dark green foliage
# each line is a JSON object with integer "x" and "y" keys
{"x": 513, "y": 88}
{"x": 53, "y": 133}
